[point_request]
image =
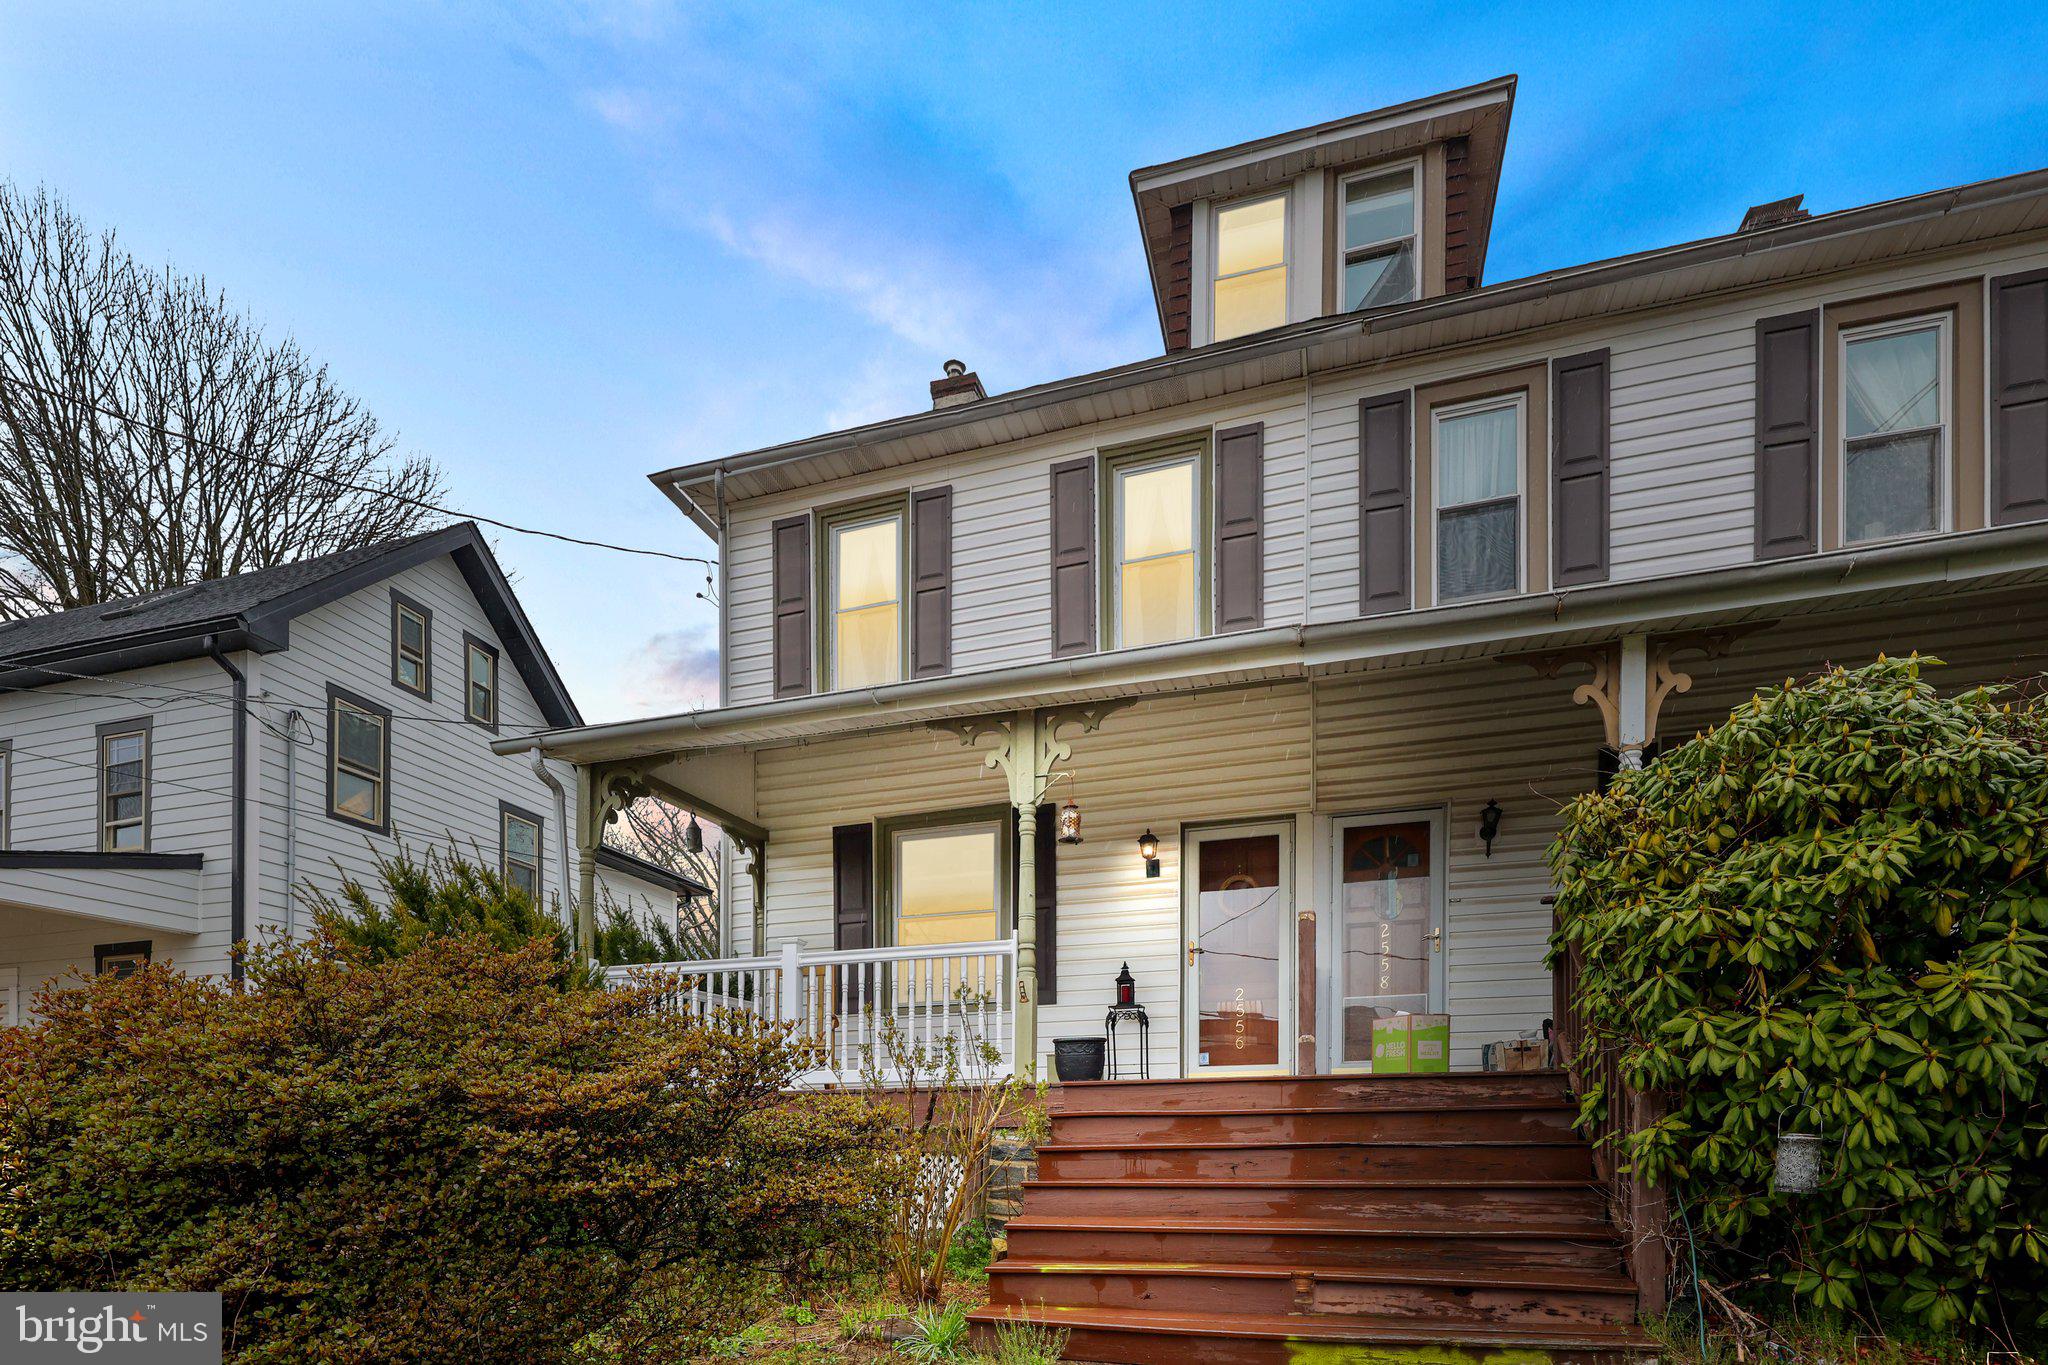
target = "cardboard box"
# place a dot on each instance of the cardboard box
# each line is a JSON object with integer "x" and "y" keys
{"x": 1390, "y": 1038}
{"x": 1519, "y": 1054}
{"x": 1405, "y": 1043}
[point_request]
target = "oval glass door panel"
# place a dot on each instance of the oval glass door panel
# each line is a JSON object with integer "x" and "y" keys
{"x": 1387, "y": 911}
{"x": 1240, "y": 915}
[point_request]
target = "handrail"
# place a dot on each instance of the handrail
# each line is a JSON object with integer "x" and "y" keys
{"x": 1640, "y": 1210}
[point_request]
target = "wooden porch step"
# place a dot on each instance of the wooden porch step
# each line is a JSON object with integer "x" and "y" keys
{"x": 1359, "y": 1243}
{"x": 1508, "y": 1294}
{"x": 1134, "y": 1337}
{"x": 1390, "y": 1123}
{"x": 1455, "y": 1090}
{"x": 1561, "y": 1158}
{"x": 1563, "y": 1203}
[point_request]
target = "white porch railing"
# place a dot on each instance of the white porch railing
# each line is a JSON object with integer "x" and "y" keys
{"x": 845, "y": 999}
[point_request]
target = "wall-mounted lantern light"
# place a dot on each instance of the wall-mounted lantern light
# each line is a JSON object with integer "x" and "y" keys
{"x": 693, "y": 836}
{"x": 1126, "y": 987}
{"x": 1070, "y": 823}
{"x": 1489, "y": 824}
{"x": 1148, "y": 849}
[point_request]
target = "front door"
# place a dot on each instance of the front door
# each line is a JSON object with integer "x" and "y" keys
{"x": 1238, "y": 923}
{"x": 1389, "y": 940}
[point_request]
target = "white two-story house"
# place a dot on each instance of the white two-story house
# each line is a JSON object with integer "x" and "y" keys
{"x": 177, "y": 771}
{"x": 1262, "y": 665}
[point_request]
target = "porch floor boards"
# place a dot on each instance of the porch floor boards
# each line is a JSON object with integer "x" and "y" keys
{"x": 1343, "y": 1218}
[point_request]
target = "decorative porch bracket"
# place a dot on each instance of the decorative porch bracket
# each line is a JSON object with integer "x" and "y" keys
{"x": 1632, "y": 678}
{"x": 1028, "y": 752}
{"x": 607, "y": 789}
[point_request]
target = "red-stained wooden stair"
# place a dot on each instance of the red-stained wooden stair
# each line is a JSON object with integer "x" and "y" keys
{"x": 1335, "y": 1219}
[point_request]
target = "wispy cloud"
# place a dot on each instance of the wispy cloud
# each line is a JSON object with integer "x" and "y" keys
{"x": 675, "y": 670}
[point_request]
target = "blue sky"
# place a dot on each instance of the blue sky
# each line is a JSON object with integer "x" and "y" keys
{"x": 557, "y": 246}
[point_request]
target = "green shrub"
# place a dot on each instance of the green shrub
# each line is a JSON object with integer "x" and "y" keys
{"x": 436, "y": 1156}
{"x": 943, "y": 1333}
{"x": 1830, "y": 911}
{"x": 433, "y": 895}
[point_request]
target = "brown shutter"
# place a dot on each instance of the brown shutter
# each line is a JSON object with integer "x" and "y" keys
{"x": 853, "y": 886}
{"x": 1578, "y": 468}
{"x": 1046, "y": 861}
{"x": 1787, "y": 435}
{"x": 791, "y": 552}
{"x": 2019, "y": 397}
{"x": 1240, "y": 523}
{"x": 931, "y": 582}
{"x": 1073, "y": 556}
{"x": 1383, "y": 441}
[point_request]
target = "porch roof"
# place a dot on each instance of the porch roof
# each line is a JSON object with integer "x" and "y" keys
{"x": 1772, "y": 590}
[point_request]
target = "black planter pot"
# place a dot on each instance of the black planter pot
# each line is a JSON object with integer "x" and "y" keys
{"x": 1078, "y": 1059}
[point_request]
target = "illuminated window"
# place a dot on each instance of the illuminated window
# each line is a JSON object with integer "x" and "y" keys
{"x": 1250, "y": 289}
{"x": 358, "y": 761}
{"x": 1478, "y": 458}
{"x": 865, "y": 589}
{"x": 1379, "y": 238}
{"x": 1156, "y": 594}
{"x": 124, "y": 788}
{"x": 1894, "y": 430}
{"x": 949, "y": 884}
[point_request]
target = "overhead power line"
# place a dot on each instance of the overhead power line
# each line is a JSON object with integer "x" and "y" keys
{"x": 333, "y": 482}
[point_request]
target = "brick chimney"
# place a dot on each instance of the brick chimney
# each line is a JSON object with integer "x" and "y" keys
{"x": 960, "y": 385}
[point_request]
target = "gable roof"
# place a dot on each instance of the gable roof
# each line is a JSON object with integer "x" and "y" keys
{"x": 254, "y": 611}
{"x": 633, "y": 865}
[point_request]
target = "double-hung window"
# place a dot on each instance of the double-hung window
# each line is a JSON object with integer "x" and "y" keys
{"x": 480, "y": 682}
{"x": 519, "y": 850}
{"x": 1477, "y": 454}
{"x": 864, "y": 590}
{"x": 1249, "y": 283}
{"x": 124, "y": 787}
{"x": 1156, "y": 518}
{"x": 412, "y": 628}
{"x": 1895, "y": 407}
{"x": 358, "y": 760}
{"x": 950, "y": 884}
{"x": 1380, "y": 236}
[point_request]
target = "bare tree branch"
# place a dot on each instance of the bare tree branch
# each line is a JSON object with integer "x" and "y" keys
{"x": 654, "y": 830}
{"x": 151, "y": 436}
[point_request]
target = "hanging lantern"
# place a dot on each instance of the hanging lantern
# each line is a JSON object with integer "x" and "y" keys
{"x": 1795, "y": 1167}
{"x": 1148, "y": 849}
{"x": 1126, "y": 987}
{"x": 693, "y": 836}
{"x": 1070, "y": 823}
{"x": 1489, "y": 824}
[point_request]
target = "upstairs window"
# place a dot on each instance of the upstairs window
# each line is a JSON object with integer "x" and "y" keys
{"x": 480, "y": 682}
{"x": 1250, "y": 289}
{"x": 411, "y": 648}
{"x": 124, "y": 787}
{"x": 1156, "y": 506}
{"x": 864, "y": 587}
{"x": 1895, "y": 430}
{"x": 358, "y": 760}
{"x": 1379, "y": 238}
{"x": 1478, "y": 458}
{"x": 519, "y": 850}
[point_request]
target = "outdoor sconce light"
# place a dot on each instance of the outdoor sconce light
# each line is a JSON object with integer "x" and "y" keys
{"x": 693, "y": 836}
{"x": 1489, "y": 824}
{"x": 1070, "y": 823}
{"x": 1148, "y": 849}
{"x": 1126, "y": 987}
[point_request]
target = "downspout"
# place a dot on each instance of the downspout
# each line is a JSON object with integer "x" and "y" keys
{"x": 238, "y": 914}
{"x": 554, "y": 784}
{"x": 292, "y": 721}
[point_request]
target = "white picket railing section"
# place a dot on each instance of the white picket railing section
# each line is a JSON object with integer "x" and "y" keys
{"x": 846, "y": 999}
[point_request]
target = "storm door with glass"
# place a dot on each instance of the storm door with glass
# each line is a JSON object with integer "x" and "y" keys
{"x": 1388, "y": 930}
{"x": 1239, "y": 929}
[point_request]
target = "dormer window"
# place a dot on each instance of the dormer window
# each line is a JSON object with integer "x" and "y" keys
{"x": 1380, "y": 231}
{"x": 1250, "y": 289}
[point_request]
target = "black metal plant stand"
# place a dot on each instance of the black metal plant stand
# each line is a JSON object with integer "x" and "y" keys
{"x": 1123, "y": 1013}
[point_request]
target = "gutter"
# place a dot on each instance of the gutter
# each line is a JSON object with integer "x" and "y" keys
{"x": 238, "y": 890}
{"x": 1296, "y": 650}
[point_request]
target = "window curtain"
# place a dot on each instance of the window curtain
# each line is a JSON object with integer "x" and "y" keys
{"x": 1894, "y": 383}
{"x": 1475, "y": 457}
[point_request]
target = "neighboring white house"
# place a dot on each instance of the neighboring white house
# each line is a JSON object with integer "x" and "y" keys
{"x": 366, "y": 686}
{"x": 1332, "y": 604}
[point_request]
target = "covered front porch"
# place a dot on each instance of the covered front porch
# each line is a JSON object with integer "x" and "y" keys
{"x": 1359, "y": 842}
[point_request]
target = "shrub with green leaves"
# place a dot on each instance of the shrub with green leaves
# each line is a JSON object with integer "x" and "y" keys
{"x": 434, "y": 1156}
{"x": 1829, "y": 913}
